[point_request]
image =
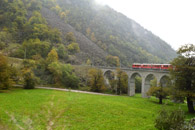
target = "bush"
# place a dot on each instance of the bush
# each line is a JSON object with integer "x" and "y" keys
{"x": 5, "y": 74}
{"x": 170, "y": 120}
{"x": 29, "y": 79}
{"x": 63, "y": 75}
{"x": 189, "y": 125}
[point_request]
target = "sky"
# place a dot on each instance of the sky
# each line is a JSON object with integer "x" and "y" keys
{"x": 172, "y": 20}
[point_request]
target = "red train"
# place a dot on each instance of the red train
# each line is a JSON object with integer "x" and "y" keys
{"x": 151, "y": 66}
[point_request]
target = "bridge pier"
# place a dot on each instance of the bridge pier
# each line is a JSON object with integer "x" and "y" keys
{"x": 131, "y": 91}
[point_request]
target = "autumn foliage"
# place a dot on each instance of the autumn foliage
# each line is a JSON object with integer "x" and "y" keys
{"x": 5, "y": 79}
{"x": 96, "y": 80}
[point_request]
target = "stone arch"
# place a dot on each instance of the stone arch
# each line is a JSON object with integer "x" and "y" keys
{"x": 108, "y": 73}
{"x": 146, "y": 84}
{"x": 131, "y": 90}
{"x": 164, "y": 80}
{"x": 108, "y": 76}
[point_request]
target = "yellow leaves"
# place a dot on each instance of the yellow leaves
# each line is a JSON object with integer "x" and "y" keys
{"x": 57, "y": 9}
{"x": 113, "y": 60}
{"x": 96, "y": 80}
{"x": 5, "y": 80}
{"x": 88, "y": 62}
{"x": 63, "y": 15}
{"x": 70, "y": 37}
{"x": 73, "y": 47}
{"x": 52, "y": 56}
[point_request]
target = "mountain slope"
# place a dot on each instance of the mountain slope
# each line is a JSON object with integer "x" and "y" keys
{"x": 115, "y": 29}
{"x": 100, "y": 31}
{"x": 88, "y": 48}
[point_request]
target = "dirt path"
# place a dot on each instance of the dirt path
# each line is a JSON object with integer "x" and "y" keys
{"x": 76, "y": 91}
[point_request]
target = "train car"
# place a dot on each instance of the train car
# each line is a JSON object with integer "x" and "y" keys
{"x": 136, "y": 66}
{"x": 151, "y": 66}
{"x": 166, "y": 66}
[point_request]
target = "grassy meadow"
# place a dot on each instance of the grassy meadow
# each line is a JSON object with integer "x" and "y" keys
{"x": 40, "y": 109}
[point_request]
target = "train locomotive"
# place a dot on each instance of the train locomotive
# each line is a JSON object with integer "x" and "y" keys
{"x": 151, "y": 66}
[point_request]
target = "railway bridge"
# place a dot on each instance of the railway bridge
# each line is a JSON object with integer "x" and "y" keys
{"x": 146, "y": 75}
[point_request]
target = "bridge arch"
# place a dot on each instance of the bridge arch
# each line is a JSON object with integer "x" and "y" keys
{"x": 131, "y": 90}
{"x": 146, "y": 84}
{"x": 108, "y": 75}
{"x": 165, "y": 80}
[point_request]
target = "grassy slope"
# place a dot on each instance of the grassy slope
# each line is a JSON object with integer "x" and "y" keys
{"x": 41, "y": 109}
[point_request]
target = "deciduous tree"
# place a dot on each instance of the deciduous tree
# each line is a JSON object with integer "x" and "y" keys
{"x": 113, "y": 61}
{"x": 70, "y": 37}
{"x": 52, "y": 56}
{"x": 28, "y": 74}
{"x": 184, "y": 74}
{"x": 73, "y": 48}
{"x": 122, "y": 82}
{"x": 5, "y": 80}
{"x": 158, "y": 90}
{"x": 63, "y": 75}
{"x": 96, "y": 80}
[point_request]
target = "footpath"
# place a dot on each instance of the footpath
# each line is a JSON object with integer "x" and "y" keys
{"x": 76, "y": 91}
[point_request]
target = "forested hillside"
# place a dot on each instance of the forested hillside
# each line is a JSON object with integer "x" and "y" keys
{"x": 81, "y": 32}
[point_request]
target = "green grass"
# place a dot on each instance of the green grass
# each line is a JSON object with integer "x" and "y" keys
{"x": 44, "y": 109}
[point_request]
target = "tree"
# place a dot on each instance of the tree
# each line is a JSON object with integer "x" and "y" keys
{"x": 57, "y": 9}
{"x": 34, "y": 5}
{"x": 62, "y": 52}
{"x": 159, "y": 91}
{"x": 96, "y": 80}
{"x": 35, "y": 46}
{"x": 138, "y": 84}
{"x": 29, "y": 79}
{"x": 122, "y": 82}
{"x": 113, "y": 82}
{"x": 70, "y": 37}
{"x": 88, "y": 62}
{"x": 52, "y": 56}
{"x": 28, "y": 74}
{"x": 5, "y": 39}
{"x": 183, "y": 74}
{"x": 5, "y": 80}
{"x": 113, "y": 61}
{"x": 63, "y": 75}
{"x": 73, "y": 48}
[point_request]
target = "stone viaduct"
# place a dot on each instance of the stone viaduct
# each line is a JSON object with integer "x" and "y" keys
{"x": 146, "y": 75}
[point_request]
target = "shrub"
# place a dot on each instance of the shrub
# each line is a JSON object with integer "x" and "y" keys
{"x": 190, "y": 125}
{"x": 29, "y": 79}
{"x": 170, "y": 120}
{"x": 5, "y": 78}
{"x": 63, "y": 75}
